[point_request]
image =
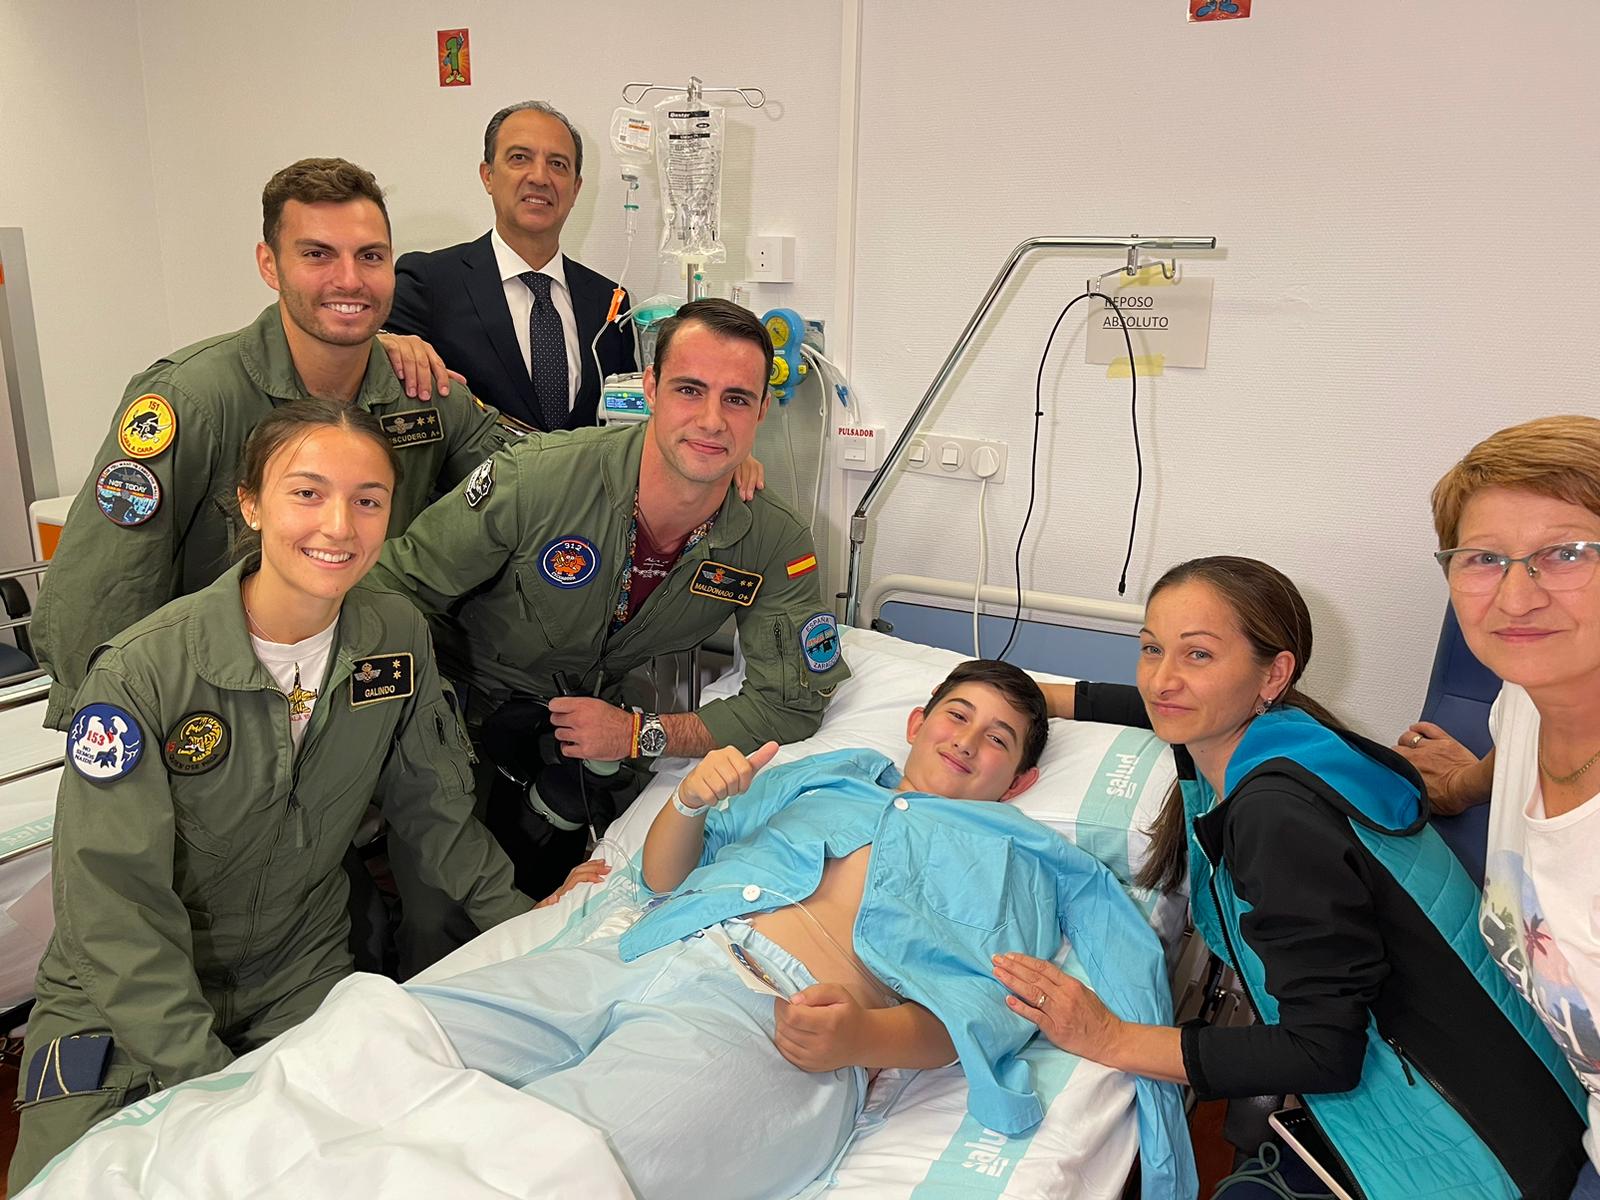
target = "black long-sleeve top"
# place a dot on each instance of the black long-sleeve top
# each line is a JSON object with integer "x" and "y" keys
{"x": 1340, "y": 939}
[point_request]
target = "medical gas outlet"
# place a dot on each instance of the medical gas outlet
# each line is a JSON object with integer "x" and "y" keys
{"x": 954, "y": 457}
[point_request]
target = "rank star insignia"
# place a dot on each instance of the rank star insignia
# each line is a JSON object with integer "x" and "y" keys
{"x": 719, "y": 581}
{"x": 413, "y": 427}
{"x": 384, "y": 677}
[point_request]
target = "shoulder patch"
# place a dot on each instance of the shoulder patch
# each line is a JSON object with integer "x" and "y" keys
{"x": 819, "y": 642}
{"x": 569, "y": 562}
{"x": 197, "y": 743}
{"x": 147, "y": 427}
{"x": 722, "y": 582}
{"x": 479, "y": 484}
{"x": 413, "y": 427}
{"x": 105, "y": 742}
{"x": 381, "y": 677}
{"x": 127, "y": 492}
{"x": 803, "y": 565}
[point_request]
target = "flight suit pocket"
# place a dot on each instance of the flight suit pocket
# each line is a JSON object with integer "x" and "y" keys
{"x": 200, "y": 859}
{"x": 786, "y": 652}
{"x": 966, "y": 875}
{"x": 530, "y": 587}
{"x": 448, "y": 749}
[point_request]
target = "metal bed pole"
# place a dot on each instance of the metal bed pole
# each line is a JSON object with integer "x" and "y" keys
{"x": 858, "y": 520}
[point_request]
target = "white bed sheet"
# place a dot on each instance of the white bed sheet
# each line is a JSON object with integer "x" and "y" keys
{"x": 1100, "y": 786}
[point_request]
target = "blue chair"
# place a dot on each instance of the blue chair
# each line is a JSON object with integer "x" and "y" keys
{"x": 1459, "y": 696}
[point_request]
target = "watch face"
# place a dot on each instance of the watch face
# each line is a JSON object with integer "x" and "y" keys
{"x": 652, "y": 740}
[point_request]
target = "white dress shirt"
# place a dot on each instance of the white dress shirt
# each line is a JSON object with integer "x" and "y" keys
{"x": 519, "y": 299}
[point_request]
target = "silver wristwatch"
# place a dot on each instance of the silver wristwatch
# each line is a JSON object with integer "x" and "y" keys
{"x": 652, "y": 736}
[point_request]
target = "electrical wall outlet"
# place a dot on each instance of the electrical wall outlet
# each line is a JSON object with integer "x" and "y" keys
{"x": 944, "y": 454}
{"x": 771, "y": 259}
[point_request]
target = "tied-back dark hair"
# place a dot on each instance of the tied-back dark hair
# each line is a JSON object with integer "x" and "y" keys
{"x": 288, "y": 423}
{"x": 1273, "y": 617}
{"x": 1018, "y": 687}
{"x": 721, "y": 317}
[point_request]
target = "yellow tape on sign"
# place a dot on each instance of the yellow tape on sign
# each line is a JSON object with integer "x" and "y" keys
{"x": 1150, "y": 276}
{"x": 1147, "y": 364}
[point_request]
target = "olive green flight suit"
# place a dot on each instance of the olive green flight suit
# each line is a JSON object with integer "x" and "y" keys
{"x": 509, "y": 539}
{"x": 200, "y": 897}
{"x": 106, "y": 576}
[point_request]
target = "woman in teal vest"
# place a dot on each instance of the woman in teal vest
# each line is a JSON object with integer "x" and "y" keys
{"x": 1313, "y": 872}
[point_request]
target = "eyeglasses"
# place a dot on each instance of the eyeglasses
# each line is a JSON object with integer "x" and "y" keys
{"x": 1558, "y": 568}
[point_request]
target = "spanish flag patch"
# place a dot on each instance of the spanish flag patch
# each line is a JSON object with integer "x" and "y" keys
{"x": 803, "y": 565}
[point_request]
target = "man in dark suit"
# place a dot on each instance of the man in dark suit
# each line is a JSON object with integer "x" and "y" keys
{"x": 509, "y": 311}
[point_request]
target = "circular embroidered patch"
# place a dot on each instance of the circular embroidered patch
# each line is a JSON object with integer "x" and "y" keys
{"x": 148, "y": 427}
{"x": 128, "y": 493}
{"x": 819, "y": 642}
{"x": 197, "y": 743}
{"x": 105, "y": 742}
{"x": 569, "y": 562}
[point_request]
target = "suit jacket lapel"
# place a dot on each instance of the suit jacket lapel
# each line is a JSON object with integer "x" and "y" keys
{"x": 489, "y": 298}
{"x": 590, "y": 303}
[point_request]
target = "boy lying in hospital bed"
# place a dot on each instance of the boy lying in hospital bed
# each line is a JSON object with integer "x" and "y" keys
{"x": 825, "y": 917}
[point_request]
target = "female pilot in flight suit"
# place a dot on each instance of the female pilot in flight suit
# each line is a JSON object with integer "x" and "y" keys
{"x": 223, "y": 752}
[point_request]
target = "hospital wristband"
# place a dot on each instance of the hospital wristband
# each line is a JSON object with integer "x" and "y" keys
{"x": 684, "y": 808}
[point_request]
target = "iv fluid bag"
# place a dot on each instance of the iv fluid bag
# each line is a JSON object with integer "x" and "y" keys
{"x": 631, "y": 138}
{"x": 689, "y": 160}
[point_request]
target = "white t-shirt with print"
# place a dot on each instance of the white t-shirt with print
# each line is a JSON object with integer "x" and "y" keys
{"x": 299, "y": 671}
{"x": 1540, "y": 913}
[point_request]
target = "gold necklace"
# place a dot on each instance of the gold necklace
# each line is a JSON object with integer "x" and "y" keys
{"x": 1554, "y": 778}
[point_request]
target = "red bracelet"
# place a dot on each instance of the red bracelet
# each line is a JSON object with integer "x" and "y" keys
{"x": 633, "y": 750}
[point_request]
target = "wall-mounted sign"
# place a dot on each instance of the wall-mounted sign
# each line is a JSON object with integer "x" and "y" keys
{"x": 1218, "y": 10}
{"x": 1169, "y": 322}
{"x": 455, "y": 63}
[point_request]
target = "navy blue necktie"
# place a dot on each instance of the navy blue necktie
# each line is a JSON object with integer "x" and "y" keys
{"x": 547, "y": 353}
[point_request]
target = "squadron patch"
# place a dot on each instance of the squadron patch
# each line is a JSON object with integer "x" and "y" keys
{"x": 128, "y": 493}
{"x": 569, "y": 562}
{"x": 197, "y": 743}
{"x": 819, "y": 642}
{"x": 105, "y": 742}
{"x": 480, "y": 483}
{"x": 413, "y": 427}
{"x": 722, "y": 582}
{"x": 148, "y": 427}
{"x": 381, "y": 677}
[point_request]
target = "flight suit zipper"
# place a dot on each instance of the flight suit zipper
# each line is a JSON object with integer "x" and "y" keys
{"x": 247, "y": 943}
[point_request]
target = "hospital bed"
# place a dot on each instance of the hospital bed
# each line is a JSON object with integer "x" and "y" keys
{"x": 1100, "y": 787}
{"x": 30, "y": 771}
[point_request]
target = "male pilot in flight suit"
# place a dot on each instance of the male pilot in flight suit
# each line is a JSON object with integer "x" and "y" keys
{"x": 571, "y": 558}
{"x": 152, "y": 522}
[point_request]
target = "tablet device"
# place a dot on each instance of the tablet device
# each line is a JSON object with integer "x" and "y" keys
{"x": 1301, "y": 1135}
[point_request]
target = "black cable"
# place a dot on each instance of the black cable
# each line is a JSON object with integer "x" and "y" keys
{"x": 1033, "y": 473}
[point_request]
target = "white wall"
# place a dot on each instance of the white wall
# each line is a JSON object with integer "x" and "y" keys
{"x": 1389, "y": 183}
{"x": 76, "y": 176}
{"x": 262, "y": 85}
{"x": 1395, "y": 188}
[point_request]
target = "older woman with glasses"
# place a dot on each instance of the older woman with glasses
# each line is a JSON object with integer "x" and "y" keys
{"x": 1519, "y": 529}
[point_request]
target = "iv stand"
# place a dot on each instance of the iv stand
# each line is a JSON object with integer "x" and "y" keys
{"x": 752, "y": 96}
{"x": 858, "y": 520}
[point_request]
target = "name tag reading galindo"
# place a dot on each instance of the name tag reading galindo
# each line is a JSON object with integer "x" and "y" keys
{"x": 1169, "y": 322}
{"x": 381, "y": 677}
